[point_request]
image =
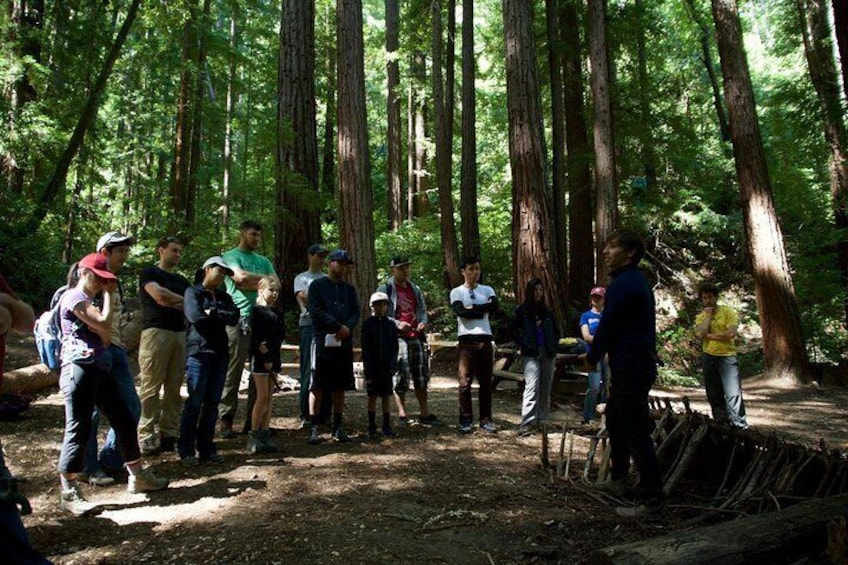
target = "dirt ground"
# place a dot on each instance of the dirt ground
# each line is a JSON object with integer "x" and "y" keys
{"x": 427, "y": 496}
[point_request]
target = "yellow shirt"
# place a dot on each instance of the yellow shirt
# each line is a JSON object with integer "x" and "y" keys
{"x": 723, "y": 318}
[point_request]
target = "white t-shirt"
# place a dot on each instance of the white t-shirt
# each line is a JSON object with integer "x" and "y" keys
{"x": 469, "y": 296}
{"x": 301, "y": 284}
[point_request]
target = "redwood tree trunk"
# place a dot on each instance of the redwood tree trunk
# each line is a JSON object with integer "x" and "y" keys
{"x": 197, "y": 117}
{"x": 468, "y": 184}
{"x": 328, "y": 163}
{"x": 418, "y": 184}
{"x": 783, "y": 344}
{"x": 444, "y": 153}
{"x": 555, "y": 70}
{"x": 356, "y": 227}
{"x": 606, "y": 210}
{"x": 185, "y": 113}
{"x": 819, "y": 51}
{"x": 581, "y": 274}
{"x": 531, "y": 222}
{"x": 297, "y": 223}
{"x": 394, "y": 190}
{"x": 228, "y": 125}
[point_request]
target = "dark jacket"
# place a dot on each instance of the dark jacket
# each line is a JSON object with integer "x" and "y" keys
{"x": 331, "y": 305}
{"x": 379, "y": 348}
{"x": 524, "y": 330}
{"x": 627, "y": 332}
{"x": 266, "y": 325}
{"x": 207, "y": 332}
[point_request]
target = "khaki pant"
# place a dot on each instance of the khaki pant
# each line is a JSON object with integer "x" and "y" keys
{"x": 161, "y": 358}
{"x": 238, "y": 346}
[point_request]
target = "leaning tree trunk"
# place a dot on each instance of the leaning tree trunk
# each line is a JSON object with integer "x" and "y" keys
{"x": 531, "y": 221}
{"x": 783, "y": 344}
{"x": 356, "y": 227}
{"x": 297, "y": 223}
{"x": 558, "y": 184}
{"x": 819, "y": 51}
{"x": 394, "y": 189}
{"x": 470, "y": 230}
{"x": 444, "y": 153}
{"x": 707, "y": 59}
{"x": 840, "y": 24}
{"x": 606, "y": 210}
{"x": 581, "y": 247}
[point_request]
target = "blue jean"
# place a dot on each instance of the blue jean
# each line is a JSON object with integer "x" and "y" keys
{"x": 118, "y": 369}
{"x": 724, "y": 390}
{"x": 596, "y": 393}
{"x": 205, "y": 376}
{"x": 538, "y": 379}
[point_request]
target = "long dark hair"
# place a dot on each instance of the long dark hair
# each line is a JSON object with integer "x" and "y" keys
{"x": 530, "y": 305}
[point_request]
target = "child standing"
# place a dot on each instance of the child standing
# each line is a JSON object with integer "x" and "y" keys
{"x": 379, "y": 356}
{"x": 266, "y": 337}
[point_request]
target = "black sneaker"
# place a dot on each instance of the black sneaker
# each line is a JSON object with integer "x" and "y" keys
{"x": 339, "y": 435}
{"x": 465, "y": 428}
{"x": 403, "y": 421}
{"x": 314, "y": 438}
{"x": 372, "y": 431}
{"x": 431, "y": 419}
{"x": 388, "y": 431}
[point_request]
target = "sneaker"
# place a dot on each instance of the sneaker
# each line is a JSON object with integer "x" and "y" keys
{"x": 465, "y": 428}
{"x": 403, "y": 421}
{"x": 167, "y": 444}
{"x": 339, "y": 435}
{"x": 74, "y": 502}
{"x": 304, "y": 423}
{"x": 613, "y": 487}
{"x": 146, "y": 481}
{"x": 252, "y": 443}
{"x": 646, "y": 511}
{"x": 149, "y": 446}
{"x": 431, "y": 419}
{"x": 388, "y": 431}
{"x": 189, "y": 461}
{"x": 213, "y": 458}
{"x": 225, "y": 430}
{"x": 314, "y": 438}
{"x": 266, "y": 444}
{"x": 372, "y": 431}
{"x": 97, "y": 479}
{"x": 488, "y": 427}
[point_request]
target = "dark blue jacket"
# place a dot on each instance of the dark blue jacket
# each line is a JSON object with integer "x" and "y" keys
{"x": 524, "y": 331}
{"x": 628, "y": 332}
{"x": 207, "y": 332}
{"x": 379, "y": 349}
{"x": 332, "y": 305}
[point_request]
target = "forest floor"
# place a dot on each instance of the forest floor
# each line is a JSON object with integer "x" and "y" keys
{"x": 426, "y": 496}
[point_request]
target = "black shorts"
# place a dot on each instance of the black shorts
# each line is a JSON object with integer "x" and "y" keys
{"x": 380, "y": 386}
{"x": 332, "y": 369}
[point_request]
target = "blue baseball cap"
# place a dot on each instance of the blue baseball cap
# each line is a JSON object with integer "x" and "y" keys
{"x": 340, "y": 255}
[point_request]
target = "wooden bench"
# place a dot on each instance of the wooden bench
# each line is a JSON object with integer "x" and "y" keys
{"x": 569, "y": 378}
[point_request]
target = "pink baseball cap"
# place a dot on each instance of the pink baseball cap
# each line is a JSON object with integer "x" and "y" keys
{"x": 598, "y": 291}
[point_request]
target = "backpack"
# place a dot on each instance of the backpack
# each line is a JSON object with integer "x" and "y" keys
{"x": 48, "y": 332}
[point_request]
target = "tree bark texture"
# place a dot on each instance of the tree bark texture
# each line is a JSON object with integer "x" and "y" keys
{"x": 356, "y": 225}
{"x": 444, "y": 157}
{"x": 606, "y": 187}
{"x": 581, "y": 247}
{"x": 840, "y": 23}
{"x": 470, "y": 230}
{"x": 394, "y": 192}
{"x": 783, "y": 344}
{"x": 531, "y": 221}
{"x": 297, "y": 224}
{"x": 418, "y": 204}
{"x": 197, "y": 116}
{"x": 328, "y": 163}
{"x": 819, "y": 52}
{"x": 558, "y": 184}
{"x": 226, "y": 182}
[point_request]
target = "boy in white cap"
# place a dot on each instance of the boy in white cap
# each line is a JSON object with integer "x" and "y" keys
{"x": 379, "y": 356}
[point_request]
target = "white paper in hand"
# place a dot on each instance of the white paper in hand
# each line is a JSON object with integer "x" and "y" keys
{"x": 331, "y": 341}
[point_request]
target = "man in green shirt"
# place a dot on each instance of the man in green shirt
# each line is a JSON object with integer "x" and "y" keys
{"x": 248, "y": 268}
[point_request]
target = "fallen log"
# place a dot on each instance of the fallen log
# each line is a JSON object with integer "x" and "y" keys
{"x": 783, "y": 536}
{"x": 29, "y": 380}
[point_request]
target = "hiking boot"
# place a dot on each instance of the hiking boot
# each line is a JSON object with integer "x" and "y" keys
{"x": 339, "y": 435}
{"x": 266, "y": 444}
{"x": 253, "y": 442}
{"x": 388, "y": 431}
{"x": 644, "y": 511}
{"x": 613, "y": 487}
{"x": 488, "y": 427}
{"x": 465, "y": 428}
{"x": 149, "y": 446}
{"x": 372, "y": 431}
{"x": 225, "y": 430}
{"x": 146, "y": 481}
{"x": 74, "y": 502}
{"x": 314, "y": 438}
{"x": 431, "y": 419}
{"x": 96, "y": 479}
{"x": 213, "y": 459}
{"x": 167, "y": 444}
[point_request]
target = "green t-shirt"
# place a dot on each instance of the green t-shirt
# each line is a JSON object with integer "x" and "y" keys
{"x": 246, "y": 261}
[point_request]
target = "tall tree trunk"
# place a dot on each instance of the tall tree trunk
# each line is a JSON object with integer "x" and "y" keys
{"x": 707, "y": 59}
{"x": 89, "y": 112}
{"x": 783, "y": 344}
{"x": 356, "y": 226}
{"x": 444, "y": 153}
{"x": 558, "y": 185}
{"x": 646, "y": 136}
{"x": 470, "y": 229}
{"x": 197, "y": 117}
{"x": 297, "y": 219}
{"x": 228, "y": 125}
{"x": 531, "y": 222}
{"x": 394, "y": 190}
{"x": 328, "y": 164}
{"x": 840, "y": 23}
{"x": 189, "y": 76}
{"x": 418, "y": 200}
{"x": 819, "y": 51}
{"x": 581, "y": 272}
{"x": 606, "y": 209}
